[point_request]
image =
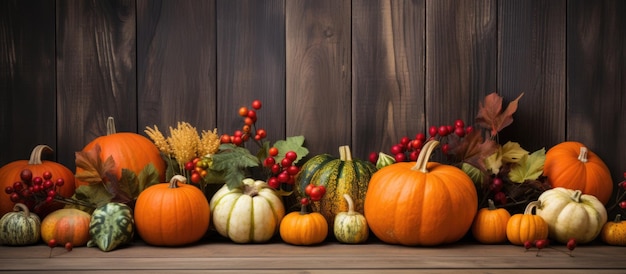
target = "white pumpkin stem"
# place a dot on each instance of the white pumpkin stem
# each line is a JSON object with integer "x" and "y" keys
{"x": 250, "y": 190}
{"x": 531, "y": 206}
{"x": 424, "y": 156}
{"x": 582, "y": 156}
{"x": 111, "y": 126}
{"x": 345, "y": 154}
{"x": 576, "y": 196}
{"x": 350, "y": 204}
{"x": 19, "y": 206}
{"x": 35, "y": 155}
{"x": 175, "y": 179}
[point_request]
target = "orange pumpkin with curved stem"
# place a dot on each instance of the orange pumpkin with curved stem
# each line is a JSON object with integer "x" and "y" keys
{"x": 129, "y": 151}
{"x": 425, "y": 203}
{"x": 10, "y": 173}
{"x": 573, "y": 166}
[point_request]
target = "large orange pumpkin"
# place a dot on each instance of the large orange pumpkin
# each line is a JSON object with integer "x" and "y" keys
{"x": 425, "y": 203}
{"x": 66, "y": 225}
{"x": 172, "y": 214}
{"x": 573, "y": 166}
{"x": 129, "y": 151}
{"x": 10, "y": 173}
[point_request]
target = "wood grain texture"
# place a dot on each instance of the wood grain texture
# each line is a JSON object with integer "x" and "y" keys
{"x": 176, "y": 64}
{"x": 27, "y": 78}
{"x": 461, "y": 54}
{"x": 318, "y": 95}
{"x": 251, "y": 64}
{"x": 531, "y": 60}
{"x": 388, "y": 64}
{"x": 95, "y": 71}
{"x": 596, "y": 79}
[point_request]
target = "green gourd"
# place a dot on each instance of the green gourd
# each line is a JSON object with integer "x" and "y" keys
{"x": 340, "y": 176}
{"x": 350, "y": 227}
{"x": 111, "y": 226}
{"x": 20, "y": 227}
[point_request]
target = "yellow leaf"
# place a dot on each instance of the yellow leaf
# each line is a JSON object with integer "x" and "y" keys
{"x": 529, "y": 167}
{"x": 512, "y": 152}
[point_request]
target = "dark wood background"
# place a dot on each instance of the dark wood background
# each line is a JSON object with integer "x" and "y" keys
{"x": 358, "y": 72}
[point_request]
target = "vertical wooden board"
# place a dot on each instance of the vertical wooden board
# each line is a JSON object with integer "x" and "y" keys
{"x": 388, "y": 63}
{"x": 531, "y": 60}
{"x": 176, "y": 64}
{"x": 318, "y": 95}
{"x": 95, "y": 71}
{"x": 27, "y": 83}
{"x": 596, "y": 79}
{"x": 461, "y": 54}
{"x": 251, "y": 64}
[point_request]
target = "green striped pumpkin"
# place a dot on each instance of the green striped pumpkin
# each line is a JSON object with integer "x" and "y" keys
{"x": 340, "y": 176}
{"x": 20, "y": 227}
{"x": 250, "y": 213}
{"x": 111, "y": 225}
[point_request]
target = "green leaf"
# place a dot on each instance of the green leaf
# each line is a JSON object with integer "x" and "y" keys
{"x": 148, "y": 176}
{"x": 96, "y": 194}
{"x": 293, "y": 143}
{"x": 474, "y": 173}
{"x": 512, "y": 152}
{"x": 529, "y": 167}
{"x": 233, "y": 162}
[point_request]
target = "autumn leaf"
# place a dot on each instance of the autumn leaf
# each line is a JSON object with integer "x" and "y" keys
{"x": 529, "y": 167}
{"x": 233, "y": 161}
{"x": 490, "y": 115}
{"x": 94, "y": 170}
{"x": 473, "y": 150}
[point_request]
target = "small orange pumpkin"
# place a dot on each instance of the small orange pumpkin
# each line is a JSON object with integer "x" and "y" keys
{"x": 425, "y": 203}
{"x": 303, "y": 228}
{"x": 172, "y": 214}
{"x": 527, "y": 226}
{"x": 489, "y": 226}
{"x": 573, "y": 166}
{"x": 614, "y": 233}
{"x": 129, "y": 151}
{"x": 10, "y": 173}
{"x": 66, "y": 225}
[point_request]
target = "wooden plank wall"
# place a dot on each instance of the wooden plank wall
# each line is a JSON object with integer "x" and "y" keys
{"x": 356, "y": 72}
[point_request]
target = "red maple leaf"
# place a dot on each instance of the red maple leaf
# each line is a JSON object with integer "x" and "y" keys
{"x": 472, "y": 149}
{"x": 490, "y": 115}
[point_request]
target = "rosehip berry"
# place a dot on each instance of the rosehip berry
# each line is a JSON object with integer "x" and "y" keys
{"x": 47, "y": 175}
{"x": 60, "y": 182}
{"x": 622, "y": 204}
{"x": 443, "y": 131}
{"x": 68, "y": 246}
{"x": 269, "y": 161}
{"x": 52, "y": 243}
{"x": 432, "y": 130}
{"x": 256, "y": 104}
{"x": 420, "y": 136}
{"x": 26, "y": 175}
{"x": 273, "y": 151}
{"x": 243, "y": 111}
{"x": 459, "y": 124}
{"x": 400, "y": 157}
{"x": 273, "y": 182}
{"x": 304, "y": 201}
{"x": 373, "y": 158}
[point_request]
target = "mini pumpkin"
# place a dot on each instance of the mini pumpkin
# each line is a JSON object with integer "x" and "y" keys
{"x": 571, "y": 214}
{"x": 422, "y": 203}
{"x": 66, "y": 225}
{"x": 572, "y": 165}
{"x": 350, "y": 227}
{"x": 20, "y": 227}
{"x": 10, "y": 173}
{"x": 303, "y": 227}
{"x": 172, "y": 214}
{"x": 111, "y": 225}
{"x": 489, "y": 225}
{"x": 526, "y": 226}
{"x": 128, "y": 150}
{"x": 249, "y": 213}
{"x": 614, "y": 232}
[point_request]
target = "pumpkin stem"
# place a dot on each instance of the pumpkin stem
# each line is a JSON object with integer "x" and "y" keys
{"x": 35, "y": 155}
{"x": 531, "y": 206}
{"x": 491, "y": 205}
{"x": 350, "y": 203}
{"x": 19, "y": 206}
{"x": 175, "y": 179}
{"x": 618, "y": 218}
{"x": 250, "y": 190}
{"x": 424, "y": 156}
{"x": 303, "y": 210}
{"x": 111, "y": 126}
{"x": 576, "y": 196}
{"x": 345, "y": 154}
{"x": 583, "y": 155}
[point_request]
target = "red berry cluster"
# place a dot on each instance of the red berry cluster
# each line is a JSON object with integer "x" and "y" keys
{"x": 313, "y": 193}
{"x": 408, "y": 150}
{"x": 53, "y": 243}
{"x": 543, "y": 243}
{"x": 198, "y": 167}
{"x": 249, "y": 115}
{"x": 34, "y": 191}
{"x": 282, "y": 172}
{"x": 620, "y": 196}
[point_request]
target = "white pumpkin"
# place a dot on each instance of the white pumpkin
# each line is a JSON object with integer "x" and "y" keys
{"x": 571, "y": 214}
{"x": 250, "y": 213}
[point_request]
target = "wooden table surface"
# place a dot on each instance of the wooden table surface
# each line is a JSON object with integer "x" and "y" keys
{"x": 218, "y": 255}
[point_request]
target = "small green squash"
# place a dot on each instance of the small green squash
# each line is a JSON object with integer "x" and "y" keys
{"x": 340, "y": 176}
{"x": 248, "y": 214}
{"x": 111, "y": 225}
{"x": 20, "y": 227}
{"x": 350, "y": 227}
